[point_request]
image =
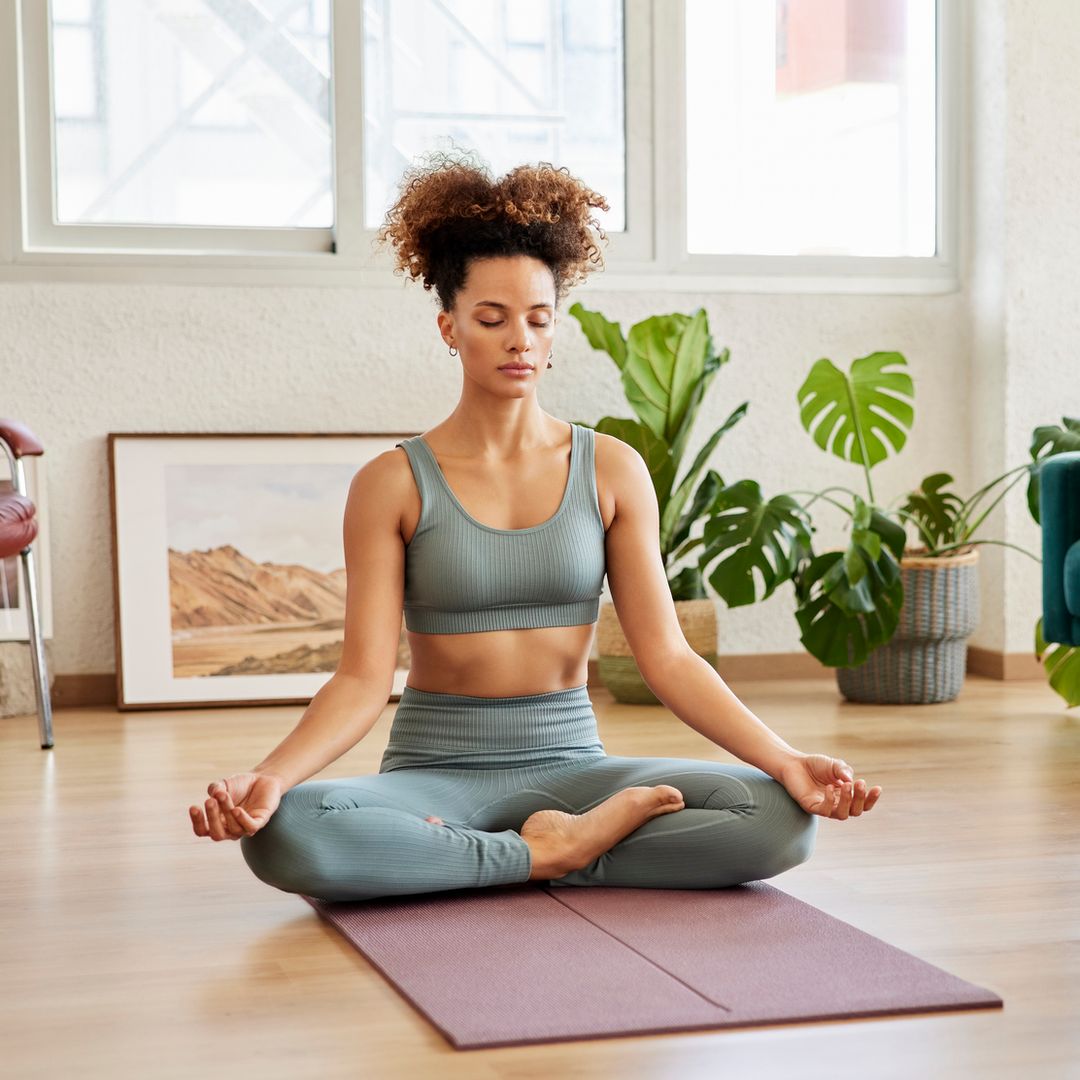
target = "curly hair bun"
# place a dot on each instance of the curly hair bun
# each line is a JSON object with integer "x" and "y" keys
{"x": 451, "y": 211}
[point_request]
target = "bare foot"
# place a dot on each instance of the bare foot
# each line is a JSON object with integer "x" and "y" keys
{"x": 562, "y": 842}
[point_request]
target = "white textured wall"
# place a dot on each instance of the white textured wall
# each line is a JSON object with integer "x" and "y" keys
{"x": 989, "y": 362}
{"x": 1025, "y": 262}
{"x": 88, "y": 359}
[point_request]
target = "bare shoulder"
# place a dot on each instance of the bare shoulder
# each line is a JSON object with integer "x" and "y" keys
{"x": 384, "y": 485}
{"x": 623, "y": 467}
{"x": 384, "y": 471}
{"x": 622, "y": 477}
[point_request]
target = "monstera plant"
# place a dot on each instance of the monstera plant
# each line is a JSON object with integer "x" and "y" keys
{"x": 848, "y": 601}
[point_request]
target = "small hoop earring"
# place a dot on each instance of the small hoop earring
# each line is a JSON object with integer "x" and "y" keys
{"x": 550, "y": 354}
{"x": 453, "y": 351}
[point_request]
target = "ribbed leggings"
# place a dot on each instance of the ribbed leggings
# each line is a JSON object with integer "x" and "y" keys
{"x": 484, "y": 765}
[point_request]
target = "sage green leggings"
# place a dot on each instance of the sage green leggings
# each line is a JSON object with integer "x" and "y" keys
{"x": 484, "y": 765}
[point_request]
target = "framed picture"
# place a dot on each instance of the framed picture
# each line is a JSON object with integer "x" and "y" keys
{"x": 14, "y": 620}
{"x": 228, "y": 565}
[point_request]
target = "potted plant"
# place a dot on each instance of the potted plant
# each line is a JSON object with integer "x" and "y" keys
{"x": 925, "y": 660}
{"x": 667, "y": 363}
{"x": 850, "y": 603}
{"x": 892, "y": 618}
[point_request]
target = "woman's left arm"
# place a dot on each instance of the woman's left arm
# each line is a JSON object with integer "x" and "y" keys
{"x": 684, "y": 681}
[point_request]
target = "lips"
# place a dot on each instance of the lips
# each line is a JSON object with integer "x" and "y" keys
{"x": 516, "y": 367}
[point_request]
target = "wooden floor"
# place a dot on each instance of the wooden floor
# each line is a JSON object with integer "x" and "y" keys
{"x": 129, "y": 947}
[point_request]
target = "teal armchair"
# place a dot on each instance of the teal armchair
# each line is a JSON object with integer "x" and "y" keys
{"x": 1059, "y": 512}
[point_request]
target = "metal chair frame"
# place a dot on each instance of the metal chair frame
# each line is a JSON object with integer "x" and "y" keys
{"x": 37, "y": 637}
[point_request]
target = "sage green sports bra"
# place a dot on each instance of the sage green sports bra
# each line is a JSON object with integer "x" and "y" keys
{"x": 462, "y": 576}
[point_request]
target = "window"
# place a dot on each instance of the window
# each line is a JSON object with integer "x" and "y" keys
{"x": 811, "y": 127}
{"x": 539, "y": 80}
{"x": 765, "y": 144}
{"x": 191, "y": 113}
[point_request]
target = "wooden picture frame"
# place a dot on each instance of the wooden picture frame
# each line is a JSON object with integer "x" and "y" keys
{"x": 228, "y": 564}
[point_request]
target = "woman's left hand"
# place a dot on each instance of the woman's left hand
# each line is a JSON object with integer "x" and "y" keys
{"x": 827, "y": 786}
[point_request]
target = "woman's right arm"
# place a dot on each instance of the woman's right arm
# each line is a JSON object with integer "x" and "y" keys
{"x": 351, "y": 701}
{"x": 348, "y": 705}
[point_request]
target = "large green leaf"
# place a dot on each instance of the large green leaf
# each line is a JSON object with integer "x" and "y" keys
{"x": 673, "y": 527}
{"x": 1059, "y": 441}
{"x": 769, "y": 537}
{"x": 601, "y": 334}
{"x": 892, "y": 534}
{"x": 651, "y": 348}
{"x": 843, "y": 622}
{"x": 1062, "y": 663}
{"x": 845, "y": 413}
{"x": 667, "y": 358}
{"x": 712, "y": 364}
{"x": 704, "y": 497}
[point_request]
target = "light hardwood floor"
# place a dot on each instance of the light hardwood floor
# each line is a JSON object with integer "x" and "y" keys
{"x": 129, "y": 947}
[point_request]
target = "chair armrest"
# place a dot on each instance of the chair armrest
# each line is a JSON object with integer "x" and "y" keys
{"x": 20, "y": 438}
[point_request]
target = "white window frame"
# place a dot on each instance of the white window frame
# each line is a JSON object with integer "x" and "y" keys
{"x": 649, "y": 255}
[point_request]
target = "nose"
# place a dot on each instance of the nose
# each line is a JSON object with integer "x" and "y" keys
{"x": 519, "y": 338}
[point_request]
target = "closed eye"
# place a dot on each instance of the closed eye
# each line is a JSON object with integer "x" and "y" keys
{"x": 538, "y": 325}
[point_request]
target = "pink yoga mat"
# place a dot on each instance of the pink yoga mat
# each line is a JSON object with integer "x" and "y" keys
{"x": 530, "y": 963}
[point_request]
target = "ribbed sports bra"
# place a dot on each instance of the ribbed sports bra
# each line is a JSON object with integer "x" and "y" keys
{"x": 462, "y": 576}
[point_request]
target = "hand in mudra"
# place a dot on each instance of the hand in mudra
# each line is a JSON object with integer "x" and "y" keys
{"x": 238, "y": 806}
{"x": 826, "y": 785}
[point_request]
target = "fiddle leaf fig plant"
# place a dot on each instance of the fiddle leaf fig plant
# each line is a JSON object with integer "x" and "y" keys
{"x": 667, "y": 364}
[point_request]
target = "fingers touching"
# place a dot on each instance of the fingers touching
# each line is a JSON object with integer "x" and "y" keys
{"x": 850, "y": 798}
{"x": 219, "y": 818}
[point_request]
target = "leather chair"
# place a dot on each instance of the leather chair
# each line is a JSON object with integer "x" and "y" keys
{"x": 18, "y": 528}
{"x": 1059, "y": 513}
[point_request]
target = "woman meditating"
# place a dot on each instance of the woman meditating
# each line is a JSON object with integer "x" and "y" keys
{"x": 492, "y": 532}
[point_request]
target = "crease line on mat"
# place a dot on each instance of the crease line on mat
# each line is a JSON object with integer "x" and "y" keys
{"x": 626, "y": 944}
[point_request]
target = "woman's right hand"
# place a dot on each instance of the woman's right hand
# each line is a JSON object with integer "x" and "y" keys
{"x": 238, "y": 806}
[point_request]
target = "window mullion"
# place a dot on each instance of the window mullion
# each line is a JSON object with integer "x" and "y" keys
{"x": 347, "y": 125}
{"x": 669, "y": 134}
{"x": 10, "y": 196}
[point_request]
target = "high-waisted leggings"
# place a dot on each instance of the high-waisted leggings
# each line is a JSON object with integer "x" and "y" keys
{"x": 484, "y": 765}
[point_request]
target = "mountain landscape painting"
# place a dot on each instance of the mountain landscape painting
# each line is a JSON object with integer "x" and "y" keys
{"x": 256, "y": 567}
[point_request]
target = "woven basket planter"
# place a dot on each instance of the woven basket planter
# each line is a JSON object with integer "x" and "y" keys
{"x": 925, "y": 660}
{"x": 616, "y": 665}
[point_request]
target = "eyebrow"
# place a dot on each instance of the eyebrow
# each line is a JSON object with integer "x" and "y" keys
{"x": 495, "y": 303}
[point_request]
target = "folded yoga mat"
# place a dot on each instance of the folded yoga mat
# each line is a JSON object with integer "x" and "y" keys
{"x": 530, "y": 964}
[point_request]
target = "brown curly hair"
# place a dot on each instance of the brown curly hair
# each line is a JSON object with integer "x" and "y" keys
{"x": 450, "y": 211}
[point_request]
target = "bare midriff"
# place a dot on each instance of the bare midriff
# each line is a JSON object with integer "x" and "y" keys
{"x": 504, "y": 663}
{"x": 501, "y": 663}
